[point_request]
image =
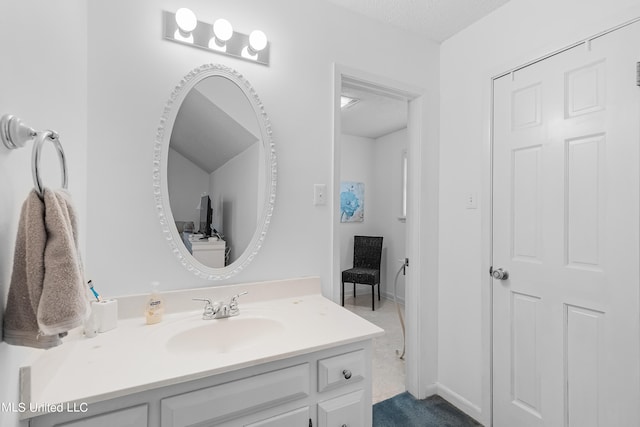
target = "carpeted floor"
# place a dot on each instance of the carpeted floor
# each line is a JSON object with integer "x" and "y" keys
{"x": 404, "y": 410}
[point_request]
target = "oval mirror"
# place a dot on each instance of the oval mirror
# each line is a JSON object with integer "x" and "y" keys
{"x": 214, "y": 172}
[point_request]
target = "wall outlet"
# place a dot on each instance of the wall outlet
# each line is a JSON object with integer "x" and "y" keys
{"x": 471, "y": 200}
{"x": 319, "y": 194}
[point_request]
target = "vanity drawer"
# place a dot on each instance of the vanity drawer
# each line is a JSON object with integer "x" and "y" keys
{"x": 237, "y": 398}
{"x": 347, "y": 410}
{"x": 339, "y": 370}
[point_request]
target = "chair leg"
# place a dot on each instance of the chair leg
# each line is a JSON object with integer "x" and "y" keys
{"x": 342, "y": 299}
{"x": 373, "y": 298}
{"x": 378, "y": 291}
{"x": 354, "y": 290}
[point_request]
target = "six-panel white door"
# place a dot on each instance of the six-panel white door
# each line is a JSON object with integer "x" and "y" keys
{"x": 566, "y": 322}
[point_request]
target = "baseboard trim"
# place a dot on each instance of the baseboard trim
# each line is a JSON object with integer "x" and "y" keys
{"x": 430, "y": 390}
{"x": 459, "y": 402}
{"x": 389, "y": 296}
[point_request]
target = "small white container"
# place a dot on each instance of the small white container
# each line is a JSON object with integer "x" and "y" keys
{"x": 106, "y": 314}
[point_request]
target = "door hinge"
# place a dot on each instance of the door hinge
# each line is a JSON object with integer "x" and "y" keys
{"x": 637, "y": 73}
{"x": 310, "y": 423}
{"x": 491, "y": 271}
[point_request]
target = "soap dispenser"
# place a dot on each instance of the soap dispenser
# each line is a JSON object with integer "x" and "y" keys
{"x": 155, "y": 305}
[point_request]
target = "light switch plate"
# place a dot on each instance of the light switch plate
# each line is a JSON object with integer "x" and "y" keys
{"x": 319, "y": 194}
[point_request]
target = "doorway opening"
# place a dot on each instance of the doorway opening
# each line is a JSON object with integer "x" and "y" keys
{"x": 373, "y": 144}
{"x": 386, "y": 161}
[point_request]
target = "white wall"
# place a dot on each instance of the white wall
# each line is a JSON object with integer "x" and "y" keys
{"x": 131, "y": 74}
{"x": 357, "y": 161}
{"x": 235, "y": 183}
{"x": 388, "y": 164}
{"x": 43, "y": 80}
{"x": 186, "y": 183}
{"x": 514, "y": 34}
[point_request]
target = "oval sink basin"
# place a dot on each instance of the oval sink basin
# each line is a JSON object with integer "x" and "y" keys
{"x": 225, "y": 335}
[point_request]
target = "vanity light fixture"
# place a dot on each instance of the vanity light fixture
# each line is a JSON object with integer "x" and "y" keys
{"x": 184, "y": 27}
{"x": 187, "y": 22}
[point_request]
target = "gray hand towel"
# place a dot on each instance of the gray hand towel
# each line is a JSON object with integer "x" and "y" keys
{"x": 47, "y": 295}
{"x": 63, "y": 303}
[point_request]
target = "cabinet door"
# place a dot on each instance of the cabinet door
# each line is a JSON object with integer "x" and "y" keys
{"x": 237, "y": 398}
{"x": 296, "y": 418}
{"x": 346, "y": 410}
{"x": 130, "y": 417}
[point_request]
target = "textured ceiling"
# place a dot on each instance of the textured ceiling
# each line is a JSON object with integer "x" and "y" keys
{"x": 435, "y": 19}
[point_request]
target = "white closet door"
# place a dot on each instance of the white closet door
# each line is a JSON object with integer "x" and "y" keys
{"x": 566, "y": 322}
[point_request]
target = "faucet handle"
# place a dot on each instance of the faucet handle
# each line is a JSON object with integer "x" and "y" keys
{"x": 233, "y": 303}
{"x": 209, "y": 310}
{"x": 207, "y": 300}
{"x": 237, "y": 296}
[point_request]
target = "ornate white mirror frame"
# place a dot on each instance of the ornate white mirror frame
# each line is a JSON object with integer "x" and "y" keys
{"x": 160, "y": 162}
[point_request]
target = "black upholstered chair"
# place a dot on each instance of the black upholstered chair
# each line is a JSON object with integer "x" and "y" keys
{"x": 367, "y": 254}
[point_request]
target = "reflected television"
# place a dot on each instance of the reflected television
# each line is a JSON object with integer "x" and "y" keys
{"x": 205, "y": 216}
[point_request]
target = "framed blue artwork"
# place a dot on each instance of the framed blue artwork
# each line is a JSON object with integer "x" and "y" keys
{"x": 351, "y": 201}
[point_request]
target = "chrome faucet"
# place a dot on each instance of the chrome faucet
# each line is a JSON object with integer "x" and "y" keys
{"x": 220, "y": 309}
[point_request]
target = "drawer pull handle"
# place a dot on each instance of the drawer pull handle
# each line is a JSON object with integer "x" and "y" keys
{"x": 347, "y": 374}
{"x": 344, "y": 425}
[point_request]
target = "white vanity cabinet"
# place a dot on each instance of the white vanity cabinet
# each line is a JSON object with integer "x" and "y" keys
{"x": 330, "y": 387}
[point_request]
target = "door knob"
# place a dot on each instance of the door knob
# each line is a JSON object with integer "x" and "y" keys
{"x": 499, "y": 274}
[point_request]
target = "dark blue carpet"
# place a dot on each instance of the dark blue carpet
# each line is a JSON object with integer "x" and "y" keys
{"x": 404, "y": 410}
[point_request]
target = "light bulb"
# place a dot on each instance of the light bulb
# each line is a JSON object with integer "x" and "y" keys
{"x": 222, "y": 29}
{"x": 186, "y": 19}
{"x": 248, "y": 53}
{"x": 257, "y": 40}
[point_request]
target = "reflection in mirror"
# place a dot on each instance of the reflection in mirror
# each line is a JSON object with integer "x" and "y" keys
{"x": 218, "y": 164}
{"x": 213, "y": 171}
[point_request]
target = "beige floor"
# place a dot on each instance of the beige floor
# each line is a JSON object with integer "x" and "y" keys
{"x": 388, "y": 368}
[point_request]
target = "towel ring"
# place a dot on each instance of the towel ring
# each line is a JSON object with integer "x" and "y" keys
{"x": 15, "y": 134}
{"x": 35, "y": 156}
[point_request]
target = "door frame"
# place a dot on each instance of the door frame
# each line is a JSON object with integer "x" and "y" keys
{"x": 487, "y": 220}
{"x": 422, "y": 221}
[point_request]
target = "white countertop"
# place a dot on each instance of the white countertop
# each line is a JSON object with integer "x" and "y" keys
{"x": 135, "y": 357}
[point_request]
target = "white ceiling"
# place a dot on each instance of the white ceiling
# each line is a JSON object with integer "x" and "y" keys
{"x": 435, "y": 19}
{"x": 375, "y": 115}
